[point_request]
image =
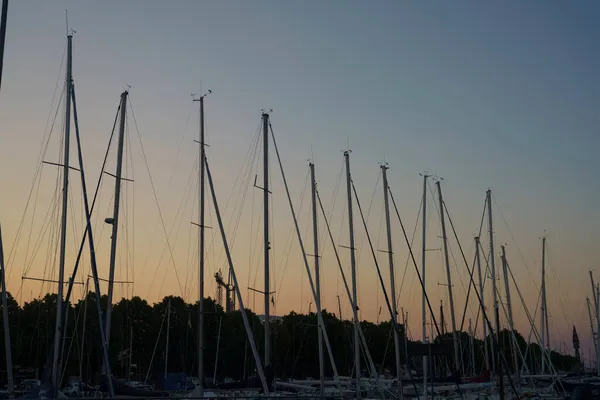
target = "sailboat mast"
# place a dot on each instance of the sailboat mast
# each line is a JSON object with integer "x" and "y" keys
{"x": 587, "y": 299}
{"x": 267, "y": 245}
{"x": 114, "y": 221}
{"x": 63, "y": 229}
{"x": 594, "y": 293}
{"x": 510, "y": 313}
{"x": 3, "y": 35}
{"x": 543, "y": 314}
{"x": 482, "y": 295}
{"x": 457, "y": 359}
{"x": 7, "y": 345}
{"x": 598, "y": 333}
{"x": 353, "y": 267}
{"x": 317, "y": 270}
{"x": 201, "y": 249}
{"x": 386, "y": 203}
{"x": 493, "y": 265}
{"x": 259, "y": 368}
{"x": 424, "y": 294}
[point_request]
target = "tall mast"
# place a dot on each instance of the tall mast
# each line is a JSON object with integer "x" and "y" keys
{"x": 594, "y": 293}
{"x": 493, "y": 264}
{"x": 510, "y": 314}
{"x": 249, "y": 334}
{"x": 543, "y": 314}
{"x": 267, "y": 245}
{"x": 317, "y": 271}
{"x": 201, "y": 249}
{"x": 598, "y": 333}
{"x": 114, "y": 221}
{"x": 93, "y": 264}
{"x": 424, "y": 294}
{"x": 485, "y": 345}
{"x": 7, "y": 345}
{"x": 594, "y": 339}
{"x": 3, "y": 35}
{"x": 353, "y": 267}
{"x": 63, "y": 229}
{"x": 392, "y": 279}
{"x": 457, "y": 358}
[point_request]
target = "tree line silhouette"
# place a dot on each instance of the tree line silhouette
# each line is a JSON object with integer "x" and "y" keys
{"x": 138, "y": 341}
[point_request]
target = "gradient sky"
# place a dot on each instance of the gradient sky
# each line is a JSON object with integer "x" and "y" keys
{"x": 502, "y": 95}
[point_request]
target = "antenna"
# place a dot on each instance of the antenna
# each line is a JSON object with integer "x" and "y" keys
{"x": 201, "y": 97}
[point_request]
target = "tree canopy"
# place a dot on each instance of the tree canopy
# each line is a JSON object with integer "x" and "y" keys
{"x": 138, "y": 341}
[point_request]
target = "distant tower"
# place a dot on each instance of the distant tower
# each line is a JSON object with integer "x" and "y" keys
{"x": 229, "y": 288}
{"x": 219, "y": 279}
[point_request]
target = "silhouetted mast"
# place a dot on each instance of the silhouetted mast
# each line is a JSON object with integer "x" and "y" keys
{"x": 201, "y": 249}
{"x": 544, "y": 321}
{"x": 482, "y": 305}
{"x": 392, "y": 278}
{"x": 114, "y": 221}
{"x": 353, "y": 267}
{"x": 424, "y": 294}
{"x": 63, "y": 229}
{"x": 457, "y": 358}
{"x": 317, "y": 270}
{"x": 265, "y": 118}
{"x": 510, "y": 313}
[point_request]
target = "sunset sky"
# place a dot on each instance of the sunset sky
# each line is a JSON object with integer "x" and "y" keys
{"x": 500, "y": 95}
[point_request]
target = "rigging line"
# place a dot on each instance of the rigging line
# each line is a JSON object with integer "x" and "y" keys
{"x": 178, "y": 216}
{"x": 37, "y": 193}
{"x": 307, "y": 268}
{"x": 387, "y": 300}
{"x": 53, "y": 238}
{"x": 513, "y": 237}
{"x": 289, "y": 248}
{"x": 70, "y": 287}
{"x": 189, "y": 266}
{"x": 469, "y": 270}
{"x": 368, "y": 214}
{"x": 381, "y": 214}
{"x": 362, "y": 242}
{"x": 472, "y": 269}
{"x": 36, "y": 178}
{"x": 171, "y": 176}
{"x": 234, "y": 220}
{"x": 254, "y": 232}
{"x": 155, "y": 196}
{"x": 435, "y": 325}
{"x": 129, "y": 208}
{"x": 408, "y": 256}
{"x": 560, "y": 288}
{"x": 332, "y": 206}
{"x": 555, "y": 373}
{"x": 323, "y": 235}
{"x": 42, "y": 151}
{"x": 46, "y": 225}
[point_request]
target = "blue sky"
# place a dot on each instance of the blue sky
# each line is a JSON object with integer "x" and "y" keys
{"x": 495, "y": 94}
